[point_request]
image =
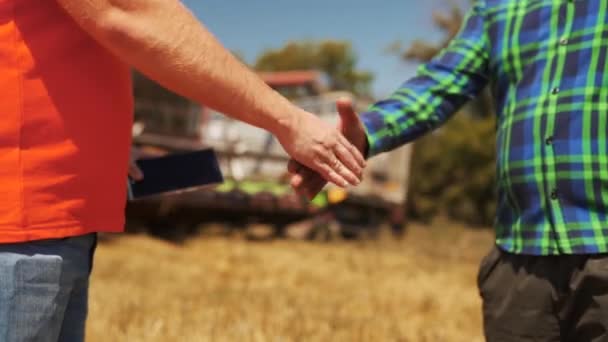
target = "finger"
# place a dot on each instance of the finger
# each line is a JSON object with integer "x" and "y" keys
{"x": 346, "y": 111}
{"x": 360, "y": 162}
{"x": 330, "y": 173}
{"x": 330, "y": 163}
{"x": 345, "y": 155}
{"x": 308, "y": 183}
{"x": 298, "y": 173}
{"x": 303, "y": 176}
{"x": 135, "y": 172}
{"x": 338, "y": 160}
{"x": 293, "y": 166}
{"x": 313, "y": 187}
{"x": 354, "y": 151}
{"x": 349, "y": 118}
{"x": 296, "y": 181}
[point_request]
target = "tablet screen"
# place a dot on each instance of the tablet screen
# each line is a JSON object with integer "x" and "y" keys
{"x": 176, "y": 172}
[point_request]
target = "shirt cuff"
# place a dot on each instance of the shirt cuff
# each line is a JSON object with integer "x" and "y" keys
{"x": 372, "y": 122}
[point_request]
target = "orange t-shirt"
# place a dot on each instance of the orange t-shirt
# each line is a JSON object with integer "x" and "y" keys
{"x": 66, "y": 105}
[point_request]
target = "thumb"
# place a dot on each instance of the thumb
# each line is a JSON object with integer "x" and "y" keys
{"x": 347, "y": 113}
{"x": 135, "y": 172}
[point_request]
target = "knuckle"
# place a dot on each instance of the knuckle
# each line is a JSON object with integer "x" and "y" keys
{"x": 330, "y": 142}
{"x": 319, "y": 149}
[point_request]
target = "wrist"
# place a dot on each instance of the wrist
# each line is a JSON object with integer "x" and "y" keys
{"x": 285, "y": 121}
{"x": 368, "y": 143}
{"x": 364, "y": 146}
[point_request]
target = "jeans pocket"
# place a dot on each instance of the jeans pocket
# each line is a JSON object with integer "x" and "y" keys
{"x": 487, "y": 264}
{"x": 38, "y": 298}
{"x": 596, "y": 267}
{"x": 38, "y": 270}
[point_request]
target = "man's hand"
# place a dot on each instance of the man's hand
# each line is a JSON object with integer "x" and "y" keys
{"x": 312, "y": 142}
{"x": 309, "y": 183}
{"x": 134, "y": 171}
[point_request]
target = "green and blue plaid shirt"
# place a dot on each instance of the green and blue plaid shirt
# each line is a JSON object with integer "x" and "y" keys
{"x": 547, "y": 63}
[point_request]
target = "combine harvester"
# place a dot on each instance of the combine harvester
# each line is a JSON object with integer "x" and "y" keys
{"x": 256, "y": 190}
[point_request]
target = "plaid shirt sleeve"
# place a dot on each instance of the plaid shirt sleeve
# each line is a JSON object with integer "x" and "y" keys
{"x": 440, "y": 88}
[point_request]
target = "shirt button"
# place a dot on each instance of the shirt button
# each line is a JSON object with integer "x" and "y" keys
{"x": 549, "y": 140}
{"x": 554, "y": 194}
{"x": 555, "y": 90}
{"x": 563, "y": 41}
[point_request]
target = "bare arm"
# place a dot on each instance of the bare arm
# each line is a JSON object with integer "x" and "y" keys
{"x": 162, "y": 39}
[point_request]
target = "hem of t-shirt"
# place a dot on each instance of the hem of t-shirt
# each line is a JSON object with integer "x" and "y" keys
{"x": 62, "y": 230}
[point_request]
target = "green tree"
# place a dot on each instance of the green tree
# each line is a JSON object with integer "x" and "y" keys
{"x": 453, "y": 169}
{"x": 336, "y": 59}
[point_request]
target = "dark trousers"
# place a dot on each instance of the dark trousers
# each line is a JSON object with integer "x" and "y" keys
{"x": 544, "y": 298}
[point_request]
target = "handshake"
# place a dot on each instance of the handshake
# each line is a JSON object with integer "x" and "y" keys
{"x": 336, "y": 156}
{"x": 319, "y": 152}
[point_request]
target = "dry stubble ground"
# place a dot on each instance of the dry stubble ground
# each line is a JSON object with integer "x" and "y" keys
{"x": 226, "y": 289}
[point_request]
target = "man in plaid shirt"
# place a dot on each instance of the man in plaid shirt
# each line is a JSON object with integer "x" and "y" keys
{"x": 547, "y": 64}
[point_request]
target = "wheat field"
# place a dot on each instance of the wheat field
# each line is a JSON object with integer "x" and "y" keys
{"x": 212, "y": 288}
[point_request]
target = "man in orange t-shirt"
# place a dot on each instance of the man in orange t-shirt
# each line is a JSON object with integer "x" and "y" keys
{"x": 66, "y": 104}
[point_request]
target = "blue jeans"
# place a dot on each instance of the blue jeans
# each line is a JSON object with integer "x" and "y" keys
{"x": 44, "y": 289}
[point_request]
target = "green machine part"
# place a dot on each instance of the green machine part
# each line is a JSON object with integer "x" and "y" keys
{"x": 274, "y": 188}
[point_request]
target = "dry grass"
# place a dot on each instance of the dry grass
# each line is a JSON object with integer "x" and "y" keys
{"x": 217, "y": 289}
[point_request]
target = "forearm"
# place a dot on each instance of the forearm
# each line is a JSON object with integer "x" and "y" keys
{"x": 442, "y": 86}
{"x": 419, "y": 106}
{"x": 162, "y": 39}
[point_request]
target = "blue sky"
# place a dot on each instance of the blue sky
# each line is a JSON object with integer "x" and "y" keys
{"x": 251, "y": 26}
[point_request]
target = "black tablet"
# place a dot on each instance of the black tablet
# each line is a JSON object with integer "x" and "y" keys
{"x": 176, "y": 173}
